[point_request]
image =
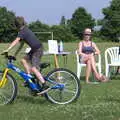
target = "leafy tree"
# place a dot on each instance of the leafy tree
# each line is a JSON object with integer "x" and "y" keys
{"x": 111, "y": 21}
{"x": 7, "y": 25}
{"x": 41, "y": 30}
{"x": 99, "y": 22}
{"x": 63, "y": 21}
{"x": 60, "y": 32}
{"x": 97, "y": 28}
{"x": 63, "y": 33}
{"x": 79, "y": 21}
{"x": 38, "y": 26}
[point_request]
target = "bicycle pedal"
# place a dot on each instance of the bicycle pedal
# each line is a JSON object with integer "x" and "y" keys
{"x": 44, "y": 91}
{"x": 26, "y": 84}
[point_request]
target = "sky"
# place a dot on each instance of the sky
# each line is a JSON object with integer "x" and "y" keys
{"x": 50, "y": 11}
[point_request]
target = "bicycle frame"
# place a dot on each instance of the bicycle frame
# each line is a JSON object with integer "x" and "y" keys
{"x": 4, "y": 79}
{"x": 63, "y": 83}
{"x": 27, "y": 78}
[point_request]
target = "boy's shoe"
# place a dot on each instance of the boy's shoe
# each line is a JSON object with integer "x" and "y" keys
{"x": 33, "y": 92}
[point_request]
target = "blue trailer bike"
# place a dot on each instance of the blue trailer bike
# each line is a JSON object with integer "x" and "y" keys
{"x": 64, "y": 84}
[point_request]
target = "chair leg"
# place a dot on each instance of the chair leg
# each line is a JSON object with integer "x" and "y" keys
{"x": 107, "y": 71}
{"x": 117, "y": 71}
{"x": 78, "y": 71}
{"x": 99, "y": 69}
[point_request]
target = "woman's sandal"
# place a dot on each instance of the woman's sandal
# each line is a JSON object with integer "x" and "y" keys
{"x": 103, "y": 79}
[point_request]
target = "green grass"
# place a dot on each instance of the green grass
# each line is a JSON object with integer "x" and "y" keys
{"x": 96, "y": 102}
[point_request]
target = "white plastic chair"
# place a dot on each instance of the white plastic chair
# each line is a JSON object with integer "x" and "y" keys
{"x": 112, "y": 59}
{"x": 80, "y": 65}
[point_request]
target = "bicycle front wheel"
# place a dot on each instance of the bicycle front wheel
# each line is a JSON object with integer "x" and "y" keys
{"x": 8, "y": 90}
{"x": 71, "y": 90}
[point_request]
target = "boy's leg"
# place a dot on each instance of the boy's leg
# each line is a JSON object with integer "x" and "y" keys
{"x": 27, "y": 68}
{"x": 40, "y": 78}
{"x": 26, "y": 65}
{"x": 35, "y": 61}
{"x": 38, "y": 74}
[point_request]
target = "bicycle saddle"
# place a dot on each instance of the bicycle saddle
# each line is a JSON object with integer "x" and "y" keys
{"x": 44, "y": 65}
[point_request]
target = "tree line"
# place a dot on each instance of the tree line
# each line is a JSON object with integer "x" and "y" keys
{"x": 68, "y": 30}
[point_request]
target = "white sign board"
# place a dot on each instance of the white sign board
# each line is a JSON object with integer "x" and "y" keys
{"x": 53, "y": 46}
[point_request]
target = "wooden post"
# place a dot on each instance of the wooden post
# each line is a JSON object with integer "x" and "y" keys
{"x": 57, "y": 66}
{"x": 56, "y": 61}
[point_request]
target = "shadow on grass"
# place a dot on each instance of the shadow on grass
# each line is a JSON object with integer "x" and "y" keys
{"x": 112, "y": 100}
{"x": 32, "y": 99}
{"x": 92, "y": 79}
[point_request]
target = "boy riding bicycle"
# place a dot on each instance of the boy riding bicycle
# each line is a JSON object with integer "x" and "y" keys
{"x": 25, "y": 35}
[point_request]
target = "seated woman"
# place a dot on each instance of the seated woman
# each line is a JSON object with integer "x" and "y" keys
{"x": 87, "y": 50}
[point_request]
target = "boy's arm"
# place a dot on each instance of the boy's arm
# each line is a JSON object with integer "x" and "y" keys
{"x": 12, "y": 44}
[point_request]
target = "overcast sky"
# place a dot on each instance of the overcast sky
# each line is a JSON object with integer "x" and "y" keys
{"x": 50, "y": 11}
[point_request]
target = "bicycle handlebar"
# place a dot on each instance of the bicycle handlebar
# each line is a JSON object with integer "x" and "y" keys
{"x": 7, "y": 56}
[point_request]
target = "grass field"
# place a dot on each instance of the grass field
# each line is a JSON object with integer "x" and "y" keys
{"x": 96, "y": 102}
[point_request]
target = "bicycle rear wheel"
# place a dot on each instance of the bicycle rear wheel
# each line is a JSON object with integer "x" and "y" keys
{"x": 71, "y": 90}
{"x": 8, "y": 91}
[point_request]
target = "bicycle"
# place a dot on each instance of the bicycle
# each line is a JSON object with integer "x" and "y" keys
{"x": 64, "y": 86}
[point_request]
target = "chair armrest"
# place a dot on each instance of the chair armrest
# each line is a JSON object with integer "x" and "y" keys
{"x": 77, "y": 56}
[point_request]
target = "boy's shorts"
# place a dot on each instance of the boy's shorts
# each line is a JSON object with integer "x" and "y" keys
{"x": 35, "y": 57}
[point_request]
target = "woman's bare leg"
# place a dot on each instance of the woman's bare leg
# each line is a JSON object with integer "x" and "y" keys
{"x": 88, "y": 70}
{"x": 93, "y": 64}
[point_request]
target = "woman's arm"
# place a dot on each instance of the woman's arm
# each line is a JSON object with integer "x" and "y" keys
{"x": 97, "y": 51}
{"x": 80, "y": 49}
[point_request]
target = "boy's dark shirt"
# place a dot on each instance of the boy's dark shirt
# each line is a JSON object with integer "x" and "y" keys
{"x": 29, "y": 37}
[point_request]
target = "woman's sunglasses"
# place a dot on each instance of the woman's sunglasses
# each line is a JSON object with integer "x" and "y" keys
{"x": 87, "y": 34}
